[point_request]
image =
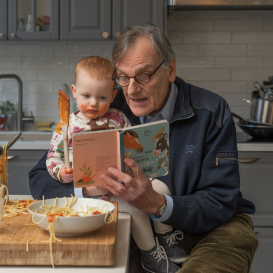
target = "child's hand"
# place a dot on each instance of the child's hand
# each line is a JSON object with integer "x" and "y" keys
{"x": 94, "y": 191}
{"x": 66, "y": 175}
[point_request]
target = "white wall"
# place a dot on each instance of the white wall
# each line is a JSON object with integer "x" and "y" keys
{"x": 223, "y": 51}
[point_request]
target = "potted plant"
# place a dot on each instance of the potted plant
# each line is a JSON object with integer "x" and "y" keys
{"x": 6, "y": 109}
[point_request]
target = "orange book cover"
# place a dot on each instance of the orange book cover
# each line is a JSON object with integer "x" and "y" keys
{"x": 93, "y": 154}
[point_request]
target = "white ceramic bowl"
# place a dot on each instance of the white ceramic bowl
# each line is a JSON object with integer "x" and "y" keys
{"x": 73, "y": 226}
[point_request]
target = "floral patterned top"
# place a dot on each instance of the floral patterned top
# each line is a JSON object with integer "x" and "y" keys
{"x": 113, "y": 119}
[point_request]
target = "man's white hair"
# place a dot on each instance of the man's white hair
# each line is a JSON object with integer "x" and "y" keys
{"x": 130, "y": 36}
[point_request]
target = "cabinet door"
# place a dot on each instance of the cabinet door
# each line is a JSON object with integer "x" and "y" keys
{"x": 264, "y": 255}
{"x": 3, "y": 19}
{"x": 130, "y": 12}
{"x": 18, "y": 169}
{"x": 257, "y": 185}
{"x": 85, "y": 19}
{"x": 33, "y": 20}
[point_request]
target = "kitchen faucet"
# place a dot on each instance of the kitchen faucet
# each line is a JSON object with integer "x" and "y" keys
{"x": 21, "y": 119}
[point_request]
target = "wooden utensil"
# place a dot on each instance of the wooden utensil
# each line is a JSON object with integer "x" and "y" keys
{"x": 64, "y": 110}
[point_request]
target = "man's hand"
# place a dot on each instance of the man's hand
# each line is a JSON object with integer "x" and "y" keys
{"x": 94, "y": 191}
{"x": 137, "y": 191}
{"x": 66, "y": 175}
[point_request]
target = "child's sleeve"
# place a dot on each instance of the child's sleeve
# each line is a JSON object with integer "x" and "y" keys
{"x": 55, "y": 155}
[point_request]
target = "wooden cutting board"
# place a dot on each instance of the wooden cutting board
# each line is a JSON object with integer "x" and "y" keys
{"x": 94, "y": 249}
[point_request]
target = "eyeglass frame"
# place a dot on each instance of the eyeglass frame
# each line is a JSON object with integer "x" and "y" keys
{"x": 150, "y": 76}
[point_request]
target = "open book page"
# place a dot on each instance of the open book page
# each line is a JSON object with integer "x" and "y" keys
{"x": 93, "y": 154}
{"x": 148, "y": 145}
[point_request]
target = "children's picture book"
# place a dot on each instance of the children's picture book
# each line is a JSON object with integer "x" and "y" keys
{"x": 95, "y": 152}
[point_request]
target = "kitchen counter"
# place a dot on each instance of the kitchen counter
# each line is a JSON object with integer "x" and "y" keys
{"x": 41, "y": 141}
{"x": 122, "y": 252}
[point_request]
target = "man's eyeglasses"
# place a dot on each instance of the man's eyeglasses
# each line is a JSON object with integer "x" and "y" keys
{"x": 141, "y": 78}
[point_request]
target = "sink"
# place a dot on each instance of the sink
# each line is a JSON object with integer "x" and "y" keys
{"x": 26, "y": 136}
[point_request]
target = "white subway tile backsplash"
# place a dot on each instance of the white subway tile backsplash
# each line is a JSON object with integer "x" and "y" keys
{"x": 29, "y": 50}
{"x": 185, "y": 50}
{"x": 239, "y": 62}
{"x": 268, "y": 25}
{"x": 220, "y": 87}
{"x": 252, "y": 37}
{"x": 238, "y": 25}
{"x": 195, "y": 62}
{"x": 45, "y": 62}
{"x": 84, "y": 50}
{"x": 259, "y": 14}
{"x": 260, "y": 49}
{"x": 251, "y": 74}
{"x": 174, "y": 37}
{"x": 30, "y": 86}
{"x": 223, "y": 15}
{"x": 268, "y": 62}
{"x": 206, "y": 74}
{"x": 236, "y": 99}
{"x": 178, "y": 15}
{"x": 206, "y": 37}
{"x": 10, "y": 62}
{"x": 2, "y": 50}
{"x": 190, "y": 25}
{"x": 48, "y": 111}
{"x": 56, "y": 74}
{"x": 23, "y": 73}
{"x": 222, "y": 50}
{"x": 40, "y": 99}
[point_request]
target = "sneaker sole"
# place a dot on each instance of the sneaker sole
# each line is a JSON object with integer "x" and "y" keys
{"x": 178, "y": 261}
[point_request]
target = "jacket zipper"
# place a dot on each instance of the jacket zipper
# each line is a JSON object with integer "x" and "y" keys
{"x": 229, "y": 158}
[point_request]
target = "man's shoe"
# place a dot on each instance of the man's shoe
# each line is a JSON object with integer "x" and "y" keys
{"x": 174, "y": 252}
{"x": 155, "y": 261}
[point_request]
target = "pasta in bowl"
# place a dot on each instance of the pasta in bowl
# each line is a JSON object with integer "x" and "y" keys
{"x": 71, "y": 216}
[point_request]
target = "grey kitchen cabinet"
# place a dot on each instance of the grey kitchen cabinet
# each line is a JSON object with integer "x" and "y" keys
{"x": 86, "y": 19}
{"x": 263, "y": 257}
{"x": 19, "y": 167}
{"x": 257, "y": 184}
{"x": 130, "y": 12}
{"x": 33, "y": 20}
{"x": 3, "y": 19}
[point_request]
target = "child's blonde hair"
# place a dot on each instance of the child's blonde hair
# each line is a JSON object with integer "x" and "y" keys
{"x": 97, "y": 67}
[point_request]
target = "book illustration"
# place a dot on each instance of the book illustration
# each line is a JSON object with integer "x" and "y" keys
{"x": 161, "y": 145}
{"x": 158, "y": 134}
{"x": 86, "y": 177}
{"x": 153, "y": 175}
{"x": 131, "y": 141}
{"x": 163, "y": 163}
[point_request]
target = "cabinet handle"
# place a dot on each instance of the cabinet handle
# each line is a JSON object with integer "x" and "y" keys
{"x": 105, "y": 35}
{"x": 117, "y": 34}
{"x": 248, "y": 160}
{"x": 1, "y": 35}
{"x": 12, "y": 35}
{"x": 256, "y": 233}
{"x": 10, "y": 157}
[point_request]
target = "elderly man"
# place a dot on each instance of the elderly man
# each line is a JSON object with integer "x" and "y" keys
{"x": 205, "y": 201}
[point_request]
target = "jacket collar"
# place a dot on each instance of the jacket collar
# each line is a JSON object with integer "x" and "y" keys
{"x": 182, "y": 107}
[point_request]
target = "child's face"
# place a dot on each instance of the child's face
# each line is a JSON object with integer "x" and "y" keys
{"x": 93, "y": 96}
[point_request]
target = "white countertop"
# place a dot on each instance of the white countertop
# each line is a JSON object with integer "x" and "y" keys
{"x": 122, "y": 252}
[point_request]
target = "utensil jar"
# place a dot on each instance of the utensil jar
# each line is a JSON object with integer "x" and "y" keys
{"x": 261, "y": 110}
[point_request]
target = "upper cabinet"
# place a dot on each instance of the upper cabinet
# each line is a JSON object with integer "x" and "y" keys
{"x": 76, "y": 19}
{"x": 86, "y": 19}
{"x": 33, "y": 20}
{"x": 3, "y": 19}
{"x": 130, "y": 12}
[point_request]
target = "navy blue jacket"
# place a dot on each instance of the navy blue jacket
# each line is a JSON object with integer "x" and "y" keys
{"x": 203, "y": 172}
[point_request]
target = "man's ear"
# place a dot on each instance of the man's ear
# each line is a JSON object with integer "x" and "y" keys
{"x": 172, "y": 71}
{"x": 114, "y": 95}
{"x": 73, "y": 88}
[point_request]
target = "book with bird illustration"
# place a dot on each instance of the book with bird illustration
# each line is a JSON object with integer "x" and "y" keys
{"x": 96, "y": 151}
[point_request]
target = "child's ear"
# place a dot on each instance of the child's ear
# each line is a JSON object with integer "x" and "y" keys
{"x": 73, "y": 88}
{"x": 114, "y": 95}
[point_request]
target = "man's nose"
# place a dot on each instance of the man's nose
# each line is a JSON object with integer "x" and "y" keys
{"x": 133, "y": 86}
